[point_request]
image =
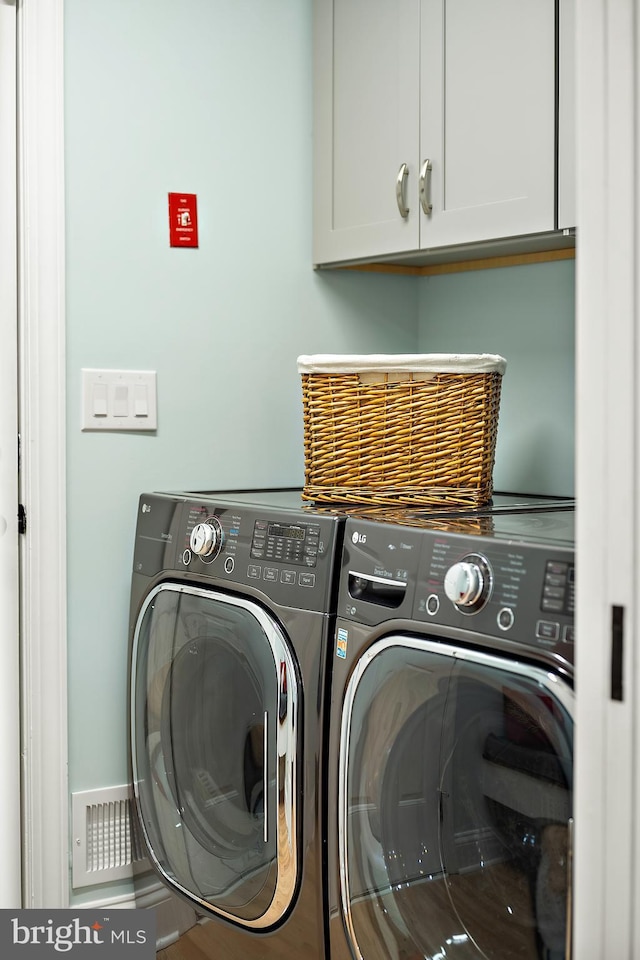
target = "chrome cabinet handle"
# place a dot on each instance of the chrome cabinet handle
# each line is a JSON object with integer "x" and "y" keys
{"x": 424, "y": 184}
{"x": 401, "y": 180}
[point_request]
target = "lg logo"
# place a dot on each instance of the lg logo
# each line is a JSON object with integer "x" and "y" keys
{"x": 358, "y": 537}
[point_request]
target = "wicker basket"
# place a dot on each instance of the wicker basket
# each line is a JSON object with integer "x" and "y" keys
{"x": 411, "y": 429}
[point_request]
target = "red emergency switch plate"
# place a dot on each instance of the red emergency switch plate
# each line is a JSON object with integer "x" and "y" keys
{"x": 183, "y": 220}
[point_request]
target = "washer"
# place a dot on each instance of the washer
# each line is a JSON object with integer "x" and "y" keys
{"x": 450, "y": 763}
{"x": 232, "y": 604}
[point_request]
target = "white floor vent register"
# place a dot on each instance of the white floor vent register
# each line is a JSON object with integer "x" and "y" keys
{"x": 105, "y": 841}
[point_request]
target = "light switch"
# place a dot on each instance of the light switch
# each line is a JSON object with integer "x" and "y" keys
{"x": 140, "y": 400}
{"x": 100, "y": 400}
{"x": 119, "y": 400}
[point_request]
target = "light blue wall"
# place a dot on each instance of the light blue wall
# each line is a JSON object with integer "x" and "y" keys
{"x": 212, "y": 98}
{"x": 525, "y": 313}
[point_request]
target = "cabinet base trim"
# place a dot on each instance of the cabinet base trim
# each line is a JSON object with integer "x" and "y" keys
{"x": 486, "y": 263}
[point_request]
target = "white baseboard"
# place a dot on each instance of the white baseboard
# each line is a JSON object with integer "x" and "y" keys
{"x": 173, "y": 916}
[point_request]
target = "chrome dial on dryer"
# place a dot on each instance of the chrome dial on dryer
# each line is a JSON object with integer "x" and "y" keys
{"x": 468, "y": 583}
{"x": 206, "y": 538}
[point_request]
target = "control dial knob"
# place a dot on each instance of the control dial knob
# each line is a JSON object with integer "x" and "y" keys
{"x": 206, "y": 538}
{"x": 468, "y": 583}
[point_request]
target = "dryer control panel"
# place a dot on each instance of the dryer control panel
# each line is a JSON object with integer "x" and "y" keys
{"x": 510, "y": 579}
{"x": 289, "y": 555}
{"x": 292, "y": 543}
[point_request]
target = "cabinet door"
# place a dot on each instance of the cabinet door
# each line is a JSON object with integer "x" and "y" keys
{"x": 566, "y": 117}
{"x": 488, "y": 118}
{"x": 366, "y": 113}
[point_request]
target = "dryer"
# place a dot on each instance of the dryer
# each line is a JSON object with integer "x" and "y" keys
{"x": 232, "y": 604}
{"x": 450, "y": 757}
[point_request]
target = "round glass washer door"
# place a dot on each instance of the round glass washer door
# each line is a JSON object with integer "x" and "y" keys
{"x": 214, "y": 743}
{"x": 455, "y": 806}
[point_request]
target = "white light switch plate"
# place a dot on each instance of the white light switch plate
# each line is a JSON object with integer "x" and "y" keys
{"x": 119, "y": 400}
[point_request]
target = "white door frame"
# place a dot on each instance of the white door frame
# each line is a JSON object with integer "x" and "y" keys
{"x": 607, "y": 842}
{"x": 10, "y": 874}
{"x": 42, "y": 425}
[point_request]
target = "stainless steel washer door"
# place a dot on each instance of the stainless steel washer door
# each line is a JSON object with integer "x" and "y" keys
{"x": 214, "y": 741}
{"x": 455, "y": 806}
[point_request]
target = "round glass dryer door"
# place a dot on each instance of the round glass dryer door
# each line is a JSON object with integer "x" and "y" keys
{"x": 455, "y": 807}
{"x": 214, "y": 751}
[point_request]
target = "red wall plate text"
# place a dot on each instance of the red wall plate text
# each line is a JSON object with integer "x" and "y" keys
{"x": 183, "y": 220}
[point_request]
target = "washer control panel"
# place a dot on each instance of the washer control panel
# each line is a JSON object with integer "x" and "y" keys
{"x": 508, "y": 588}
{"x": 513, "y": 590}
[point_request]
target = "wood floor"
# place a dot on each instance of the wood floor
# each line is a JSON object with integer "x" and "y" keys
{"x": 426, "y": 910}
{"x": 211, "y": 940}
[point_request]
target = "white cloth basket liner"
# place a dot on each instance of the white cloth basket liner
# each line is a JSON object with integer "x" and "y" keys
{"x": 403, "y": 363}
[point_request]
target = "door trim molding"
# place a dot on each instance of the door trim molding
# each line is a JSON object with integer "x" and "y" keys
{"x": 41, "y": 296}
{"x": 10, "y": 879}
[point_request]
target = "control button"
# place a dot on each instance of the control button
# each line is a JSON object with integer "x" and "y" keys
{"x": 288, "y": 576}
{"x": 463, "y": 583}
{"x": 229, "y": 564}
{"x": 206, "y": 538}
{"x": 254, "y": 571}
{"x": 186, "y": 557}
{"x": 433, "y": 604}
{"x": 556, "y": 566}
{"x": 505, "y": 618}
{"x": 568, "y": 633}
{"x": 555, "y": 579}
{"x": 307, "y": 579}
{"x": 554, "y": 593}
{"x": 547, "y": 630}
{"x": 468, "y": 583}
{"x": 552, "y": 606}
{"x": 270, "y": 573}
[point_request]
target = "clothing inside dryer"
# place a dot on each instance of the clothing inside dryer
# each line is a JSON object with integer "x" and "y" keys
{"x": 458, "y": 808}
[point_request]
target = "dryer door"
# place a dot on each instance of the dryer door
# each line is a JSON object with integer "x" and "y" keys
{"x": 456, "y": 778}
{"x": 214, "y": 738}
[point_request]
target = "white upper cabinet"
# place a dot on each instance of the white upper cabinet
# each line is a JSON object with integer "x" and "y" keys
{"x": 487, "y": 118}
{"x": 566, "y": 114}
{"x": 435, "y": 124}
{"x": 366, "y": 125}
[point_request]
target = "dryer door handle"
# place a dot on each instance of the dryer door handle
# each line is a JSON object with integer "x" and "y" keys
{"x": 265, "y": 775}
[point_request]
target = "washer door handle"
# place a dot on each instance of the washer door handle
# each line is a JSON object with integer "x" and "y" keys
{"x": 568, "y": 934}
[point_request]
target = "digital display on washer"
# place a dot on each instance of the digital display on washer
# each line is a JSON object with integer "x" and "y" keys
{"x": 288, "y": 532}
